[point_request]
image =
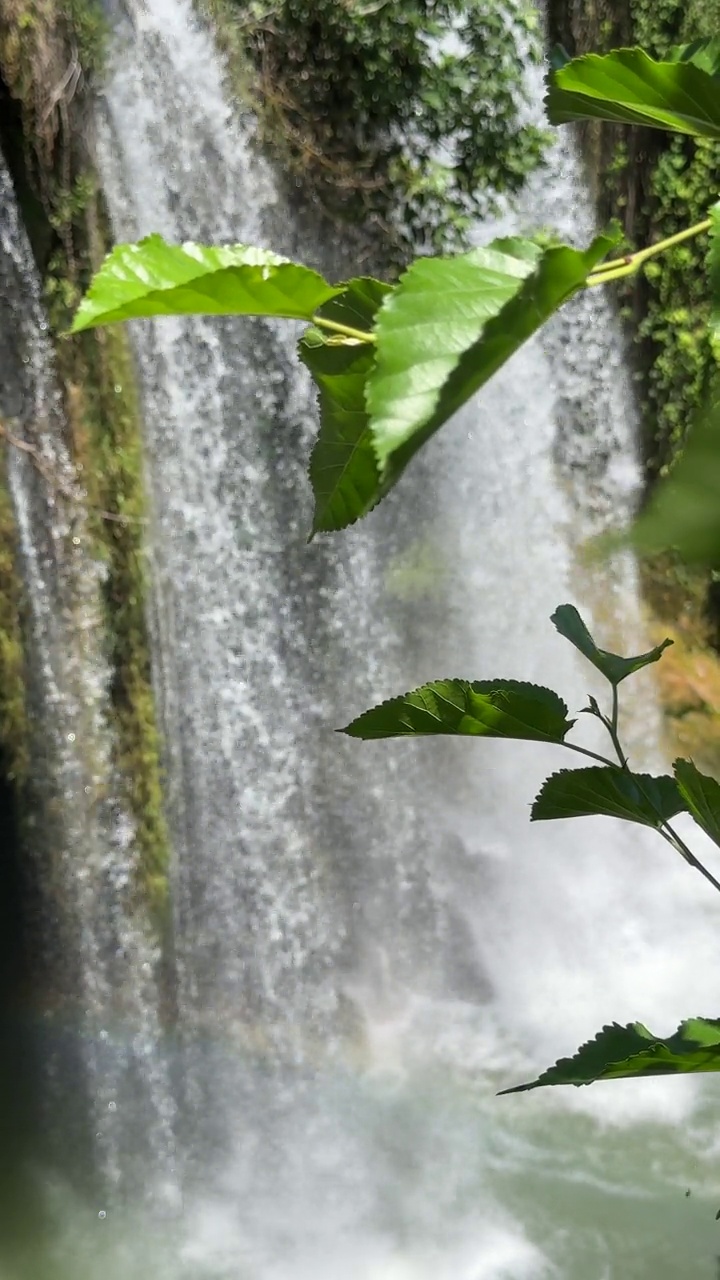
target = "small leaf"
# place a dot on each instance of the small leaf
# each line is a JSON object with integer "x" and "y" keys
{"x": 615, "y": 793}
{"x": 570, "y": 625}
{"x": 701, "y": 795}
{"x": 704, "y": 54}
{"x": 343, "y": 469}
{"x": 684, "y": 511}
{"x": 482, "y": 708}
{"x": 628, "y": 86}
{"x": 450, "y": 324}
{"x": 154, "y": 278}
{"x": 621, "y": 1052}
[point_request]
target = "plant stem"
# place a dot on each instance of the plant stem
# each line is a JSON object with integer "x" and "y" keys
{"x": 334, "y": 326}
{"x": 583, "y": 751}
{"x": 621, "y": 267}
{"x": 675, "y": 841}
{"x": 612, "y": 728}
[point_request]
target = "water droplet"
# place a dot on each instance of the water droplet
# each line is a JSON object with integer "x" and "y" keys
{"x": 112, "y": 1106}
{"x": 102, "y": 1214}
{"x": 71, "y": 737}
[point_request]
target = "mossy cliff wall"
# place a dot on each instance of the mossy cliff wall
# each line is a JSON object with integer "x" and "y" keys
{"x": 656, "y": 185}
{"x": 49, "y": 50}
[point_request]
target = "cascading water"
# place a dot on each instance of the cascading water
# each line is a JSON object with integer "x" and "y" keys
{"x": 370, "y": 938}
{"x": 92, "y": 958}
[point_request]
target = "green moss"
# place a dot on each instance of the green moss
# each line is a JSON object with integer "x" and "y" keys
{"x": 356, "y": 101}
{"x": 39, "y": 41}
{"x": 656, "y": 184}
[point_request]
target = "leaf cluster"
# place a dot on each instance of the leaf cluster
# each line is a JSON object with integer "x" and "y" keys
{"x": 387, "y": 117}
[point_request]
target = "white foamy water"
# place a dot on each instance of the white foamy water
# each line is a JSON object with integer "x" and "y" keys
{"x": 371, "y": 938}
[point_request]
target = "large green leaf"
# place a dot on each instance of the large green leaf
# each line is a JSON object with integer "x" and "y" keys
{"x": 153, "y": 278}
{"x": 615, "y": 793}
{"x": 613, "y": 667}
{"x": 481, "y": 708}
{"x": 343, "y": 468}
{"x": 681, "y": 94}
{"x": 619, "y": 1052}
{"x": 450, "y": 324}
{"x": 701, "y": 795}
{"x": 684, "y": 511}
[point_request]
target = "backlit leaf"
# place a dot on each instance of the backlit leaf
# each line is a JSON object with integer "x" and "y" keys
{"x": 580, "y": 793}
{"x": 153, "y": 278}
{"x": 481, "y": 708}
{"x": 615, "y": 668}
{"x": 449, "y": 326}
{"x": 701, "y": 795}
{"x": 681, "y": 94}
{"x": 619, "y": 1052}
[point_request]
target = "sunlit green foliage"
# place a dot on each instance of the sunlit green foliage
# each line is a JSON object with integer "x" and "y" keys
{"x": 388, "y": 116}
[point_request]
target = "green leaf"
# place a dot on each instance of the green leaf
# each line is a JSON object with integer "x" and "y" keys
{"x": 704, "y": 54}
{"x": 628, "y": 86}
{"x": 701, "y": 795}
{"x": 153, "y": 278}
{"x": 570, "y": 625}
{"x": 620, "y": 1052}
{"x": 483, "y": 708}
{"x": 684, "y": 511}
{"x": 615, "y": 793}
{"x": 450, "y": 324}
{"x": 343, "y": 469}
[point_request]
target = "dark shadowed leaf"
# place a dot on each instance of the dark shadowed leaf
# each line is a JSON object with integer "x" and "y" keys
{"x": 482, "y": 708}
{"x": 701, "y": 795}
{"x": 579, "y": 793}
{"x": 343, "y": 468}
{"x": 628, "y": 86}
{"x": 619, "y": 1052}
{"x": 153, "y": 278}
{"x": 613, "y": 667}
{"x": 450, "y": 324}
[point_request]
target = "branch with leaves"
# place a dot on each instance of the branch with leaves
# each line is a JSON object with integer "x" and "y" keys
{"x": 392, "y": 364}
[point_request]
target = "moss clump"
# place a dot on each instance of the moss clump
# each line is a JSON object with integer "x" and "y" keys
{"x": 386, "y": 123}
{"x": 47, "y": 50}
{"x": 656, "y": 184}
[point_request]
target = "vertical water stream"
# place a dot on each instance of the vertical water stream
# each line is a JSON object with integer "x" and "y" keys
{"x": 94, "y": 1005}
{"x": 371, "y": 939}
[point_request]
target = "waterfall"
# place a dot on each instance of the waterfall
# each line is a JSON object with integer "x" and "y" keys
{"x": 92, "y": 955}
{"x": 371, "y": 939}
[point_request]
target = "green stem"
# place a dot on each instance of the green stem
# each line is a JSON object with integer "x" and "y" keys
{"x": 334, "y": 326}
{"x": 675, "y": 841}
{"x": 583, "y": 751}
{"x": 621, "y": 267}
{"x": 612, "y": 728}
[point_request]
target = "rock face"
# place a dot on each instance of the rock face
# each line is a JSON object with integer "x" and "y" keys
{"x": 92, "y": 1000}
